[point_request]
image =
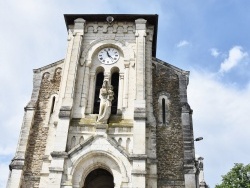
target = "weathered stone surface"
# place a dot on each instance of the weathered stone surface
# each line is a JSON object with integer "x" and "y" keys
{"x": 146, "y": 144}
{"x": 39, "y": 132}
{"x": 169, "y": 137}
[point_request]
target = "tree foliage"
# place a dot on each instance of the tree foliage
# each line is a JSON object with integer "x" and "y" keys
{"x": 237, "y": 177}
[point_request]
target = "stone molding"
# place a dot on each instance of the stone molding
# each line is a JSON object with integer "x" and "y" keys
{"x": 139, "y": 113}
{"x": 88, "y": 51}
{"x": 48, "y": 66}
{"x": 138, "y": 157}
{"x": 186, "y": 108}
{"x": 59, "y": 154}
{"x": 86, "y": 159}
{"x": 16, "y": 163}
{"x": 91, "y": 139}
{"x": 55, "y": 169}
{"x": 101, "y": 126}
{"x": 65, "y": 112}
{"x": 114, "y": 25}
{"x": 139, "y": 172}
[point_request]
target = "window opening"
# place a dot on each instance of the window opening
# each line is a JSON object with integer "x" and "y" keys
{"x": 163, "y": 111}
{"x": 52, "y": 105}
{"x": 98, "y": 86}
{"x": 115, "y": 84}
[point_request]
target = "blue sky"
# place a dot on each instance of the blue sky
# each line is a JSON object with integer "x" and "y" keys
{"x": 209, "y": 38}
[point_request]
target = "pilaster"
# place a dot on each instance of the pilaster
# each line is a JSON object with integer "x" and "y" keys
{"x": 140, "y": 58}
{"x": 85, "y": 87}
{"x": 139, "y": 138}
{"x": 188, "y": 138}
{"x": 126, "y": 84}
{"x": 90, "y": 93}
{"x": 121, "y": 89}
{"x": 66, "y": 97}
{"x": 17, "y": 164}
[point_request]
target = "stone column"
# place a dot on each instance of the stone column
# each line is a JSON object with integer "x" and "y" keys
{"x": 66, "y": 97}
{"x": 91, "y": 92}
{"x": 85, "y": 87}
{"x": 126, "y": 85}
{"x": 120, "y": 93}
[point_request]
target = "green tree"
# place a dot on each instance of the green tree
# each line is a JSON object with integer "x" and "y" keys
{"x": 237, "y": 177}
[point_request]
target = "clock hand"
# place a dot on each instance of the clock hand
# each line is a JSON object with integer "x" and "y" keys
{"x": 109, "y": 55}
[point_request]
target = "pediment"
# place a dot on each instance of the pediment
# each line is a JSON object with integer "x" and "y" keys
{"x": 95, "y": 138}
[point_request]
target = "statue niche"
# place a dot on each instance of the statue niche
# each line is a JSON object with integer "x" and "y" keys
{"x": 106, "y": 96}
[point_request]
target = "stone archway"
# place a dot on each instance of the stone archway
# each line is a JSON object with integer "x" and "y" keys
{"x": 93, "y": 160}
{"x": 99, "y": 178}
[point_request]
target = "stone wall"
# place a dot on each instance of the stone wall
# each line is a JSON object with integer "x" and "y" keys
{"x": 169, "y": 137}
{"x": 39, "y": 131}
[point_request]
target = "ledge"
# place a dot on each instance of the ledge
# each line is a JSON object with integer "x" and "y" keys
{"x": 138, "y": 157}
{"x": 59, "y": 154}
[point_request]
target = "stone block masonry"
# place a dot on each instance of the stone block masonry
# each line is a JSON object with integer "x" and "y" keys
{"x": 39, "y": 130}
{"x": 169, "y": 136}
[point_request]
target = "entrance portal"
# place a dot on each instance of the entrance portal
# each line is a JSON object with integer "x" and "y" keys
{"x": 99, "y": 178}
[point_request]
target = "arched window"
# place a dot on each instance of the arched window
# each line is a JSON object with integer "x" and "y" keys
{"x": 98, "y": 86}
{"x": 164, "y": 102}
{"x": 115, "y": 84}
{"x": 163, "y": 112}
{"x": 52, "y": 105}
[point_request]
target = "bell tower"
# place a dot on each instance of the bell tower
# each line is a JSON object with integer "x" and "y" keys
{"x": 109, "y": 114}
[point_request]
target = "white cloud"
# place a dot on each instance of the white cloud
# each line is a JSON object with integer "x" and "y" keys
{"x": 235, "y": 56}
{"x": 215, "y": 52}
{"x": 220, "y": 117}
{"x": 182, "y": 44}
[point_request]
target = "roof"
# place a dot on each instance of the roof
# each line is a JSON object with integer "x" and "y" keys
{"x": 152, "y": 19}
{"x": 48, "y": 66}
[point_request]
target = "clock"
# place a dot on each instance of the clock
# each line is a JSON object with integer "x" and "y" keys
{"x": 108, "y": 56}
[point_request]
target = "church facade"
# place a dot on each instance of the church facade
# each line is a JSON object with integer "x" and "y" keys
{"x": 108, "y": 115}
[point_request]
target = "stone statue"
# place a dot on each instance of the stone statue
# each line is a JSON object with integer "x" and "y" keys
{"x": 106, "y": 96}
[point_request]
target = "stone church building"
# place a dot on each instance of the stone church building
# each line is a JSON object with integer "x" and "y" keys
{"x": 109, "y": 115}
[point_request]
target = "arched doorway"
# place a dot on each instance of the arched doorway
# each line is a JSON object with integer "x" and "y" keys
{"x": 99, "y": 178}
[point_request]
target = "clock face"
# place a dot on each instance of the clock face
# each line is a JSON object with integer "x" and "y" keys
{"x": 108, "y": 56}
